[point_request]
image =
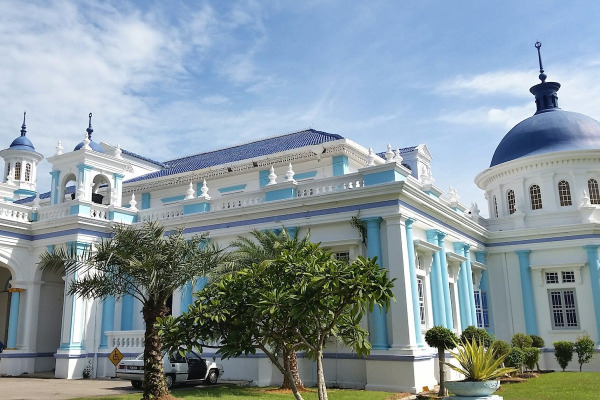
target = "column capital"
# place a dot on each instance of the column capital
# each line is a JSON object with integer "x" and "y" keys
{"x": 522, "y": 253}
{"x": 372, "y": 220}
{"x": 431, "y": 234}
{"x": 409, "y": 221}
{"x": 591, "y": 248}
{"x": 16, "y": 290}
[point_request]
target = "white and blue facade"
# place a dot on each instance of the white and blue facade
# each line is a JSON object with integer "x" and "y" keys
{"x": 532, "y": 267}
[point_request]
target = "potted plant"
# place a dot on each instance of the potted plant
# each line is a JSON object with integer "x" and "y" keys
{"x": 481, "y": 368}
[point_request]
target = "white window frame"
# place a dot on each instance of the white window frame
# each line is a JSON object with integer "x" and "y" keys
{"x": 562, "y": 309}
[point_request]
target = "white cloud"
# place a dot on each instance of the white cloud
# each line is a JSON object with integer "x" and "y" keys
{"x": 498, "y": 82}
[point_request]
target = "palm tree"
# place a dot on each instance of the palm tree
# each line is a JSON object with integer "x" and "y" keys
{"x": 147, "y": 263}
{"x": 266, "y": 246}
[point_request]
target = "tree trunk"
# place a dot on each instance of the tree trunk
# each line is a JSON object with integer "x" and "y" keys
{"x": 322, "y": 388}
{"x": 441, "y": 360}
{"x": 292, "y": 364}
{"x": 154, "y": 380}
{"x": 289, "y": 377}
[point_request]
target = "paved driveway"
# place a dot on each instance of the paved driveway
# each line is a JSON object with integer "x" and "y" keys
{"x": 60, "y": 389}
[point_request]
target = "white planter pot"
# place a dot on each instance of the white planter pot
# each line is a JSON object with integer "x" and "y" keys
{"x": 472, "y": 389}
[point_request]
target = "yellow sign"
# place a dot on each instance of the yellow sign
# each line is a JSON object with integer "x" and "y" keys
{"x": 116, "y": 356}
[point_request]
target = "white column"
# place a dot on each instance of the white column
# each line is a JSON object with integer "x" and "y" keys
{"x": 401, "y": 312}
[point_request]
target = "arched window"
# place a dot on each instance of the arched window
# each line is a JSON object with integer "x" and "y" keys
{"x": 27, "y": 172}
{"x": 18, "y": 171}
{"x": 495, "y": 207}
{"x": 564, "y": 193}
{"x": 592, "y": 188}
{"x": 510, "y": 198}
{"x": 535, "y": 194}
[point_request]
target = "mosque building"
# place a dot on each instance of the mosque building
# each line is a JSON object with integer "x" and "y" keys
{"x": 533, "y": 266}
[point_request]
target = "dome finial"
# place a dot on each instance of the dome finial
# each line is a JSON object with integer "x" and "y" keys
{"x": 542, "y": 76}
{"x": 89, "y": 129}
{"x": 23, "y": 127}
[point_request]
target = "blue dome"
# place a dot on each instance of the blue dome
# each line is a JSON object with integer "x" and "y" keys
{"x": 22, "y": 143}
{"x": 95, "y": 146}
{"x": 548, "y": 132}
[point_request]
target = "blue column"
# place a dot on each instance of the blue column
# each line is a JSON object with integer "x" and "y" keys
{"x": 470, "y": 282}
{"x": 594, "y": 265}
{"x": 127, "y": 313}
{"x": 378, "y": 331}
{"x": 484, "y": 286}
{"x": 186, "y": 297}
{"x": 437, "y": 292}
{"x": 200, "y": 283}
{"x": 13, "y": 319}
{"x": 414, "y": 287}
{"x": 55, "y": 187}
{"x": 291, "y": 230}
{"x": 527, "y": 290}
{"x": 463, "y": 289}
{"x": 108, "y": 320}
{"x": 445, "y": 283}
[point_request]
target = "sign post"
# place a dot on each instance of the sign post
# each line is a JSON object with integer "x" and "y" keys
{"x": 115, "y": 357}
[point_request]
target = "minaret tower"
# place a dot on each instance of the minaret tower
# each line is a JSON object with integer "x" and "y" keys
{"x": 20, "y": 165}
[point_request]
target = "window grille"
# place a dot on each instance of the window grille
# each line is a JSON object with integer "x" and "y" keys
{"x": 27, "y": 172}
{"x": 564, "y": 193}
{"x": 510, "y": 197}
{"x": 495, "y": 207}
{"x": 18, "y": 171}
{"x": 342, "y": 256}
{"x": 481, "y": 309}
{"x": 536, "y": 197}
{"x": 551, "y": 277}
{"x": 421, "y": 290}
{"x": 568, "y": 277}
{"x": 563, "y": 308}
{"x": 594, "y": 193}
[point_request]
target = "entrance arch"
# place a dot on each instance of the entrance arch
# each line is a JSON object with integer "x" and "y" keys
{"x": 5, "y": 278}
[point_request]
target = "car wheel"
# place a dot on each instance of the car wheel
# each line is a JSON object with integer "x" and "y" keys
{"x": 212, "y": 377}
{"x": 169, "y": 380}
{"x": 136, "y": 384}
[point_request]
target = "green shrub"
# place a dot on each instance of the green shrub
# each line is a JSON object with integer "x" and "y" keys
{"x": 501, "y": 348}
{"x": 477, "y": 363}
{"x": 584, "y": 347}
{"x": 480, "y": 335}
{"x": 521, "y": 340}
{"x": 532, "y": 357}
{"x": 563, "y": 351}
{"x": 537, "y": 341}
{"x": 515, "y": 358}
{"x": 441, "y": 338}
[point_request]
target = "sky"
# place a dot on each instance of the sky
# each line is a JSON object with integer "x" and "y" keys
{"x": 166, "y": 79}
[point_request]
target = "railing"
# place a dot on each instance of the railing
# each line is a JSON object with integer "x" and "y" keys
{"x": 99, "y": 211}
{"x": 164, "y": 212}
{"x": 244, "y": 200}
{"x": 126, "y": 341}
{"x": 330, "y": 185}
{"x": 50, "y": 213}
{"x": 15, "y": 212}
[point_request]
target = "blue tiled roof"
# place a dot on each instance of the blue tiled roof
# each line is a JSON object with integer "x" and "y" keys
{"x": 402, "y": 151}
{"x": 132, "y": 154}
{"x": 69, "y": 190}
{"x": 309, "y": 137}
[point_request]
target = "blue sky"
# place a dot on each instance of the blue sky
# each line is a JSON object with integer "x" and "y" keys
{"x": 166, "y": 79}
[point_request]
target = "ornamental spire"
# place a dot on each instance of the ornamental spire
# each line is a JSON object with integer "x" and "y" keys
{"x": 542, "y": 76}
{"x": 546, "y": 98}
{"x": 89, "y": 130}
{"x": 23, "y": 127}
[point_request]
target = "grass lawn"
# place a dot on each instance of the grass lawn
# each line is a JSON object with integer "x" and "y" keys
{"x": 555, "y": 386}
{"x": 236, "y": 393}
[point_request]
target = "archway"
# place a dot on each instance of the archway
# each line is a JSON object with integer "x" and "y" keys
{"x": 50, "y": 317}
{"x": 101, "y": 190}
{"x": 68, "y": 188}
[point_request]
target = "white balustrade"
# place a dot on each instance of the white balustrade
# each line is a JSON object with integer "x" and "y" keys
{"x": 330, "y": 185}
{"x": 164, "y": 212}
{"x": 126, "y": 341}
{"x": 50, "y": 213}
{"x": 229, "y": 202}
{"x": 99, "y": 211}
{"x": 15, "y": 212}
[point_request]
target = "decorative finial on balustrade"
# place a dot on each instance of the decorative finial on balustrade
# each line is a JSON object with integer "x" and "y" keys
{"x": 59, "y": 148}
{"x": 397, "y": 157}
{"x": 133, "y": 203}
{"x": 453, "y": 196}
{"x": 86, "y": 142}
{"x": 272, "y": 177}
{"x": 118, "y": 151}
{"x": 36, "y": 201}
{"x": 190, "y": 193}
{"x": 474, "y": 211}
{"x": 9, "y": 179}
{"x": 370, "y": 158}
{"x": 585, "y": 200}
{"x": 389, "y": 154}
{"x": 289, "y": 175}
{"x": 204, "y": 190}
